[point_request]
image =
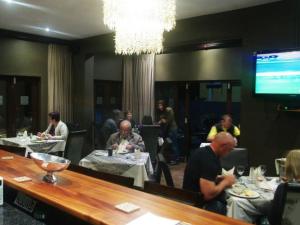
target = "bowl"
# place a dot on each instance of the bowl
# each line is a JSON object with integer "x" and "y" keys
{"x": 51, "y": 164}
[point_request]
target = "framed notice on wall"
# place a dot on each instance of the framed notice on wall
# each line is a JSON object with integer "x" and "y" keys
{"x": 24, "y": 100}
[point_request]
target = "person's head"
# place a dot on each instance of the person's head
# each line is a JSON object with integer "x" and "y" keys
{"x": 226, "y": 121}
{"x": 161, "y": 105}
{"x": 223, "y": 143}
{"x": 116, "y": 113}
{"x": 54, "y": 117}
{"x": 292, "y": 165}
{"x": 128, "y": 115}
{"x": 125, "y": 128}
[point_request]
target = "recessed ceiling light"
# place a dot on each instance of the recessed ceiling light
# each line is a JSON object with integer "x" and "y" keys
{"x": 47, "y": 29}
{"x": 8, "y": 1}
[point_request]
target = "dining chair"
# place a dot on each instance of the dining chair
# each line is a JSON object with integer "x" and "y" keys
{"x": 14, "y": 149}
{"x": 74, "y": 146}
{"x": 147, "y": 120}
{"x": 163, "y": 168}
{"x": 180, "y": 195}
{"x": 292, "y": 205}
{"x": 238, "y": 156}
{"x": 113, "y": 178}
{"x": 150, "y": 134}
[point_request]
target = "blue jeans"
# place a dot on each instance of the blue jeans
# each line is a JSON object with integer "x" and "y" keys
{"x": 175, "y": 150}
{"x": 216, "y": 207}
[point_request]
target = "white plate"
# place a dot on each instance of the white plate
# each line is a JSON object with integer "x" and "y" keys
{"x": 38, "y": 141}
{"x": 255, "y": 194}
{"x": 122, "y": 152}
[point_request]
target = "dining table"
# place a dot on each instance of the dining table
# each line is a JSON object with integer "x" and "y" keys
{"x": 95, "y": 201}
{"x": 251, "y": 208}
{"x": 138, "y": 166}
{"x": 32, "y": 144}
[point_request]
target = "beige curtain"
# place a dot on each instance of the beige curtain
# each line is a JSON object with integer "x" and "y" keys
{"x": 60, "y": 81}
{"x": 138, "y": 85}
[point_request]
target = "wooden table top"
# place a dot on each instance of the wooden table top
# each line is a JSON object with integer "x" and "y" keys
{"x": 93, "y": 200}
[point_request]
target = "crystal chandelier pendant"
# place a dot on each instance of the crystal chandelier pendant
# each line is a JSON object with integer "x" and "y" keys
{"x": 139, "y": 24}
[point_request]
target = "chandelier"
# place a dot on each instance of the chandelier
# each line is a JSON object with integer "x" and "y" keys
{"x": 139, "y": 24}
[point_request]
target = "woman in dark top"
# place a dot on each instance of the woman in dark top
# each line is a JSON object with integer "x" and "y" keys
{"x": 128, "y": 116}
{"x": 292, "y": 169}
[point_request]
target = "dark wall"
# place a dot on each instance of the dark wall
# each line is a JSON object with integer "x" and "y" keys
{"x": 213, "y": 64}
{"x": 26, "y": 58}
{"x": 265, "y": 132}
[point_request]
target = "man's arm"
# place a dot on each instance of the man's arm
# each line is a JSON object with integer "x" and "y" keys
{"x": 236, "y": 131}
{"x": 110, "y": 142}
{"x": 137, "y": 143}
{"x": 210, "y": 190}
{"x": 169, "y": 115}
{"x": 212, "y": 133}
{"x": 63, "y": 133}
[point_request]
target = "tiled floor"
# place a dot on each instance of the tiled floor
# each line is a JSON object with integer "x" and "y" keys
{"x": 177, "y": 172}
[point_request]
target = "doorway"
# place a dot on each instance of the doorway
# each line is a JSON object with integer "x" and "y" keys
{"x": 19, "y": 105}
{"x": 198, "y": 105}
{"x": 107, "y": 97}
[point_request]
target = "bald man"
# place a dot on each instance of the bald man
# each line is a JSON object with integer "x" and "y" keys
{"x": 125, "y": 134}
{"x": 203, "y": 172}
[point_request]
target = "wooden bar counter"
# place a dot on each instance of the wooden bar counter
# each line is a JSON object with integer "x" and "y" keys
{"x": 93, "y": 200}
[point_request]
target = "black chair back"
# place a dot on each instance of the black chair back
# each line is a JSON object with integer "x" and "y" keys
{"x": 238, "y": 156}
{"x": 14, "y": 149}
{"x": 124, "y": 181}
{"x": 163, "y": 168}
{"x": 292, "y": 205}
{"x": 74, "y": 146}
{"x": 147, "y": 120}
{"x": 150, "y": 135}
{"x": 180, "y": 195}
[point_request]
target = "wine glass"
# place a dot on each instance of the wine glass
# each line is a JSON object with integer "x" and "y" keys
{"x": 240, "y": 169}
{"x": 263, "y": 169}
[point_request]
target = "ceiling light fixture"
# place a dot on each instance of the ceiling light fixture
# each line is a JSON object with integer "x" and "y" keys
{"x": 8, "y": 1}
{"x": 139, "y": 24}
{"x": 47, "y": 29}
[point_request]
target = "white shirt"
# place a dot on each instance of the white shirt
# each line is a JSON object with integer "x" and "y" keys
{"x": 61, "y": 131}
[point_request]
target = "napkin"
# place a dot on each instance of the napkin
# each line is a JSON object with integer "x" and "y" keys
{"x": 228, "y": 172}
{"x": 255, "y": 173}
{"x": 268, "y": 185}
{"x": 122, "y": 146}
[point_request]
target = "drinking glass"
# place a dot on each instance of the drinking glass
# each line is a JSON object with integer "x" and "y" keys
{"x": 240, "y": 169}
{"x": 263, "y": 169}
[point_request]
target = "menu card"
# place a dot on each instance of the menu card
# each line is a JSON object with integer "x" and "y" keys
{"x": 150, "y": 219}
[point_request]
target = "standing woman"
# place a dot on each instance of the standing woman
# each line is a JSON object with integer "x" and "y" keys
{"x": 166, "y": 119}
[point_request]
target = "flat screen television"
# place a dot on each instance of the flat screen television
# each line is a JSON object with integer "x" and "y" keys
{"x": 277, "y": 73}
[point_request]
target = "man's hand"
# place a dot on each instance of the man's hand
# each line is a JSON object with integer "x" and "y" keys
{"x": 49, "y": 136}
{"x": 129, "y": 147}
{"x": 114, "y": 146}
{"x": 229, "y": 180}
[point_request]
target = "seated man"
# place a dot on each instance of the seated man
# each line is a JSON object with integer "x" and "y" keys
{"x": 203, "y": 173}
{"x": 57, "y": 129}
{"x": 125, "y": 135}
{"x": 225, "y": 125}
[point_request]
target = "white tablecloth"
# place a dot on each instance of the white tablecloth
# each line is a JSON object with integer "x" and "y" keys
{"x": 46, "y": 146}
{"x": 125, "y": 165}
{"x": 250, "y": 209}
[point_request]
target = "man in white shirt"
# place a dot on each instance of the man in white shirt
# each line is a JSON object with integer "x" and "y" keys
{"x": 57, "y": 129}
